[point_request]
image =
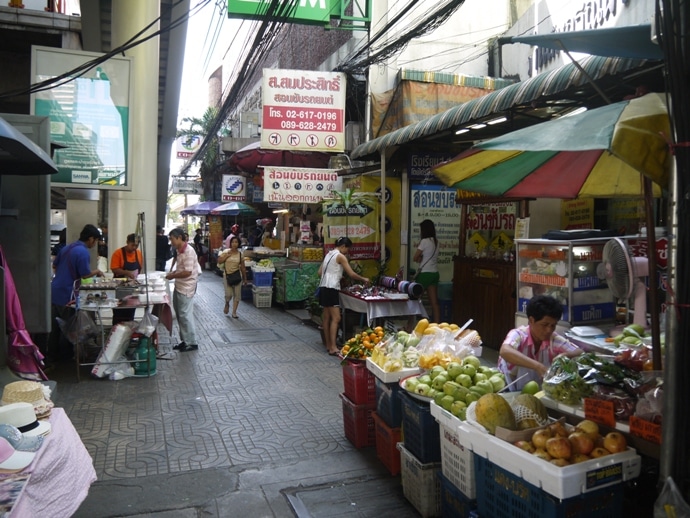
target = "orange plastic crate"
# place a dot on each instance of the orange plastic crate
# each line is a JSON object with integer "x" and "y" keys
{"x": 387, "y": 440}
{"x": 358, "y": 421}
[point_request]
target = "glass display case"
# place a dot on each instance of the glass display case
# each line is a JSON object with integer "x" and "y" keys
{"x": 571, "y": 272}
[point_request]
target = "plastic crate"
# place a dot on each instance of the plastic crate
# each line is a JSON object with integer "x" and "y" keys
{"x": 457, "y": 461}
{"x": 502, "y": 494}
{"x": 388, "y": 405}
{"x": 420, "y": 429}
{"x": 453, "y": 503}
{"x": 359, "y": 383}
{"x": 387, "y": 440}
{"x": 247, "y": 291}
{"x": 358, "y": 421}
{"x": 262, "y": 296}
{"x": 420, "y": 485}
{"x": 263, "y": 278}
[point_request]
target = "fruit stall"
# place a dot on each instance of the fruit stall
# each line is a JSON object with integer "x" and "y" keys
{"x": 582, "y": 444}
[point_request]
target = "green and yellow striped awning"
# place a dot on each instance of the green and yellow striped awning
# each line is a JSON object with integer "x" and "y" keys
{"x": 546, "y": 84}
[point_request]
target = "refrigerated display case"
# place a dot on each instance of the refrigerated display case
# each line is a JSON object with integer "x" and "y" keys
{"x": 570, "y": 271}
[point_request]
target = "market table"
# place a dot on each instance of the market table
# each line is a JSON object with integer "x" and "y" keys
{"x": 380, "y": 307}
{"x": 61, "y": 473}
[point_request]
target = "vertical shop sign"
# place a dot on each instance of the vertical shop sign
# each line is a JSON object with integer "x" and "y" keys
{"x": 437, "y": 203}
{"x": 303, "y": 110}
{"x": 89, "y": 117}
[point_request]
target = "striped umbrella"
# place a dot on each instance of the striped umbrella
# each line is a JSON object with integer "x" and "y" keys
{"x": 599, "y": 153}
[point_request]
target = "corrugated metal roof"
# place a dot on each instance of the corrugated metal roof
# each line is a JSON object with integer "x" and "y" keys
{"x": 542, "y": 85}
{"x": 431, "y": 76}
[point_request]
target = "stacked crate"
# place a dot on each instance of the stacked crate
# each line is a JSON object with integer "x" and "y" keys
{"x": 359, "y": 404}
{"x": 262, "y": 289}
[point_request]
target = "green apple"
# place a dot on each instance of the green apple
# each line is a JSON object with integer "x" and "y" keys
{"x": 471, "y": 360}
{"x": 464, "y": 380}
{"x": 498, "y": 382}
{"x": 426, "y": 379}
{"x": 422, "y": 389}
{"x": 454, "y": 369}
{"x": 457, "y": 407}
{"x": 438, "y": 381}
{"x": 469, "y": 369}
{"x": 472, "y": 396}
{"x": 438, "y": 397}
{"x": 436, "y": 371}
{"x": 480, "y": 376}
{"x": 412, "y": 341}
{"x": 432, "y": 393}
{"x": 411, "y": 384}
{"x": 447, "y": 402}
{"x": 531, "y": 387}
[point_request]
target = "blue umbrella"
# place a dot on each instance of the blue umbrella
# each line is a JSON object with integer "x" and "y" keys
{"x": 203, "y": 208}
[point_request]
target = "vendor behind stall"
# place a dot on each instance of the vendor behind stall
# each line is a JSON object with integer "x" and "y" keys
{"x": 529, "y": 350}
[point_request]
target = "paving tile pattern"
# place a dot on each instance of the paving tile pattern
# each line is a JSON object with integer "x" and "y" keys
{"x": 260, "y": 389}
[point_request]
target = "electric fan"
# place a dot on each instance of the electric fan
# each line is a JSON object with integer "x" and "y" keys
{"x": 623, "y": 273}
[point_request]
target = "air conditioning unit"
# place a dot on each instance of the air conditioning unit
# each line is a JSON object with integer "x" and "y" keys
{"x": 353, "y": 135}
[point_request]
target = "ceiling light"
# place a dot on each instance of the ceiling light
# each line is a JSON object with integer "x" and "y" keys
{"x": 280, "y": 211}
{"x": 461, "y": 131}
{"x": 478, "y": 126}
{"x": 497, "y": 121}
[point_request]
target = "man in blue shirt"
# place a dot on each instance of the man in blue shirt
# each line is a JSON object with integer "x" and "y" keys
{"x": 73, "y": 262}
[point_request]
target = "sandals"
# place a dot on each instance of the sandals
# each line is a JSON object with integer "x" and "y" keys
{"x": 235, "y": 316}
{"x": 226, "y": 309}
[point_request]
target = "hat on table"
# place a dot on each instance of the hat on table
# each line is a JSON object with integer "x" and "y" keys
{"x": 12, "y": 460}
{"x": 22, "y": 416}
{"x": 26, "y": 391}
{"x": 18, "y": 440}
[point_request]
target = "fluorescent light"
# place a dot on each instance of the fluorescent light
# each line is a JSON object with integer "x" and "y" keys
{"x": 581, "y": 109}
{"x": 461, "y": 131}
{"x": 497, "y": 121}
{"x": 478, "y": 126}
{"x": 280, "y": 211}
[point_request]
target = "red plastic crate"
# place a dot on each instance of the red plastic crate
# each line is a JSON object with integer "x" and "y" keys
{"x": 387, "y": 440}
{"x": 359, "y": 383}
{"x": 358, "y": 421}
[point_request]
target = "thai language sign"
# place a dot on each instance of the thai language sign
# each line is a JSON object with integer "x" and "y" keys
{"x": 316, "y": 12}
{"x": 186, "y": 186}
{"x": 299, "y": 185}
{"x": 437, "y": 203}
{"x": 89, "y": 117}
{"x": 303, "y": 110}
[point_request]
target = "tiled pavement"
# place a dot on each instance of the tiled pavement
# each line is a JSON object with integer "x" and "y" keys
{"x": 250, "y": 424}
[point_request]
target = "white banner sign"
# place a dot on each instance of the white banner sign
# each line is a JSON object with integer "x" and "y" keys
{"x": 303, "y": 110}
{"x": 299, "y": 185}
{"x": 186, "y": 186}
{"x": 234, "y": 188}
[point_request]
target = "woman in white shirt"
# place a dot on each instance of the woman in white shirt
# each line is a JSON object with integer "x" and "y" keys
{"x": 331, "y": 271}
{"x": 427, "y": 256}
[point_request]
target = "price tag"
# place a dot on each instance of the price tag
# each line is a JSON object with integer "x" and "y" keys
{"x": 645, "y": 429}
{"x": 600, "y": 411}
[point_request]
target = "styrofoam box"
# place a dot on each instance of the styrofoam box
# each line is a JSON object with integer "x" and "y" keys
{"x": 390, "y": 377}
{"x": 578, "y": 411}
{"x": 562, "y": 483}
{"x": 457, "y": 461}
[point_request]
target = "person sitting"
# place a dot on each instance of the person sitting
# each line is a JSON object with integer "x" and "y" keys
{"x": 528, "y": 351}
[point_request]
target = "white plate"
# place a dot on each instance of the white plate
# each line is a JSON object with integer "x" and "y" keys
{"x": 419, "y": 397}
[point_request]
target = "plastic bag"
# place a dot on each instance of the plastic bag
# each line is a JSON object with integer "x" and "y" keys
{"x": 563, "y": 383}
{"x": 670, "y": 503}
{"x": 79, "y": 329}
{"x": 148, "y": 324}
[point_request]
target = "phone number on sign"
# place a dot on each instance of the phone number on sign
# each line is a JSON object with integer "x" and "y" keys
{"x": 308, "y": 125}
{"x": 312, "y": 114}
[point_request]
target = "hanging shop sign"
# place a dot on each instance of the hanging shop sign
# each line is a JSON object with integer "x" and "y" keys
{"x": 234, "y": 188}
{"x": 89, "y": 117}
{"x": 299, "y": 185}
{"x": 490, "y": 229}
{"x": 303, "y": 110}
{"x": 314, "y": 12}
{"x": 185, "y": 147}
{"x": 181, "y": 185}
{"x": 577, "y": 213}
{"x": 419, "y": 165}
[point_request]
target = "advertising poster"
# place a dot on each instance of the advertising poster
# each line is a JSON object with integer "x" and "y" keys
{"x": 303, "y": 110}
{"x": 437, "y": 203}
{"x": 360, "y": 223}
{"x": 89, "y": 117}
{"x": 299, "y": 184}
{"x": 577, "y": 214}
{"x": 490, "y": 230}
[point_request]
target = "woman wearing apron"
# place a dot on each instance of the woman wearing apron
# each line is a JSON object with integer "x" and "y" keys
{"x": 126, "y": 262}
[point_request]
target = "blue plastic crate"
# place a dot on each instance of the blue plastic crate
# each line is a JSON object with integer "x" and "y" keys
{"x": 421, "y": 433}
{"x": 453, "y": 503}
{"x": 246, "y": 292}
{"x": 502, "y": 494}
{"x": 388, "y": 405}
{"x": 263, "y": 278}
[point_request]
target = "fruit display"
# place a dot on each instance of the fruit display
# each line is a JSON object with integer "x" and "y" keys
{"x": 631, "y": 335}
{"x": 492, "y": 410}
{"x": 457, "y": 385}
{"x": 563, "y": 382}
{"x": 398, "y": 351}
{"x": 360, "y": 346}
{"x": 564, "y": 445}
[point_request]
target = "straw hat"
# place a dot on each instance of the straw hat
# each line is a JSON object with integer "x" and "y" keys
{"x": 28, "y": 392}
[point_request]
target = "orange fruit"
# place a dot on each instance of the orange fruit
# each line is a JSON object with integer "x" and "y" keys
{"x": 374, "y": 337}
{"x": 378, "y": 329}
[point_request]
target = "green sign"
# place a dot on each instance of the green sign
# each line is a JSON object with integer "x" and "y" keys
{"x": 311, "y": 12}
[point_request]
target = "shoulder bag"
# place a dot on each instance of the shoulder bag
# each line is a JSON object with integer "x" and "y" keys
{"x": 234, "y": 278}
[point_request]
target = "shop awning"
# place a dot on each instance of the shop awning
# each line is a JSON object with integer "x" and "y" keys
{"x": 524, "y": 92}
{"x": 632, "y": 41}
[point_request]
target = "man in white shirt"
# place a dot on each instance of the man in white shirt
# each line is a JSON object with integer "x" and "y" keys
{"x": 185, "y": 274}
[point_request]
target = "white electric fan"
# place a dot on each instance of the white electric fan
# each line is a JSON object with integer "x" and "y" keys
{"x": 623, "y": 273}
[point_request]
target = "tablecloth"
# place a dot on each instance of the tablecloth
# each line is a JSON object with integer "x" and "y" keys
{"x": 61, "y": 473}
{"x": 379, "y": 308}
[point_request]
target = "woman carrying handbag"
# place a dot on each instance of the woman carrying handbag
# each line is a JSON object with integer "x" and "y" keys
{"x": 235, "y": 275}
